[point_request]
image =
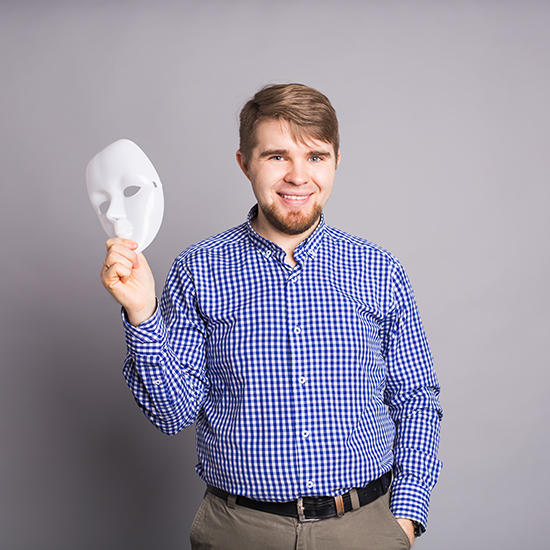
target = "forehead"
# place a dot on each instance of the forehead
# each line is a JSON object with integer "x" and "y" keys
{"x": 277, "y": 134}
{"x": 120, "y": 164}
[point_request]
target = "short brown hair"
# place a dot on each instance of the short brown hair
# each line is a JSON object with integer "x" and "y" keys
{"x": 308, "y": 112}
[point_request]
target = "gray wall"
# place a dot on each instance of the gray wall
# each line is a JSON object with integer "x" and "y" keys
{"x": 445, "y": 161}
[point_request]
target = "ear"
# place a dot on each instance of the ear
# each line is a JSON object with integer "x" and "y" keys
{"x": 338, "y": 159}
{"x": 242, "y": 163}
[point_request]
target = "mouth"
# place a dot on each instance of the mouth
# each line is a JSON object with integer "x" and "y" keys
{"x": 123, "y": 228}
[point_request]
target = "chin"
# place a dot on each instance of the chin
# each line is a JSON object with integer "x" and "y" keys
{"x": 294, "y": 223}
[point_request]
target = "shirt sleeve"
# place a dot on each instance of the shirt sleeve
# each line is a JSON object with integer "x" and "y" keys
{"x": 412, "y": 398}
{"x": 165, "y": 365}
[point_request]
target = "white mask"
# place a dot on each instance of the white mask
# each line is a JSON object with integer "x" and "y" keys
{"x": 126, "y": 193}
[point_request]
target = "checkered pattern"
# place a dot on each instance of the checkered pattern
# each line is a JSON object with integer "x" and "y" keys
{"x": 304, "y": 381}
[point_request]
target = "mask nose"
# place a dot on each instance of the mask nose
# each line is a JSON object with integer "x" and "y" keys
{"x": 116, "y": 210}
{"x": 116, "y": 214}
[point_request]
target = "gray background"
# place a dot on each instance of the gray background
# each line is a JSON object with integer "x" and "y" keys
{"x": 445, "y": 161}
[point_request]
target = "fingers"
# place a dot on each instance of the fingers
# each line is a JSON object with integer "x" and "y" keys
{"x": 126, "y": 242}
{"x": 115, "y": 273}
{"x": 121, "y": 250}
{"x": 119, "y": 262}
{"x": 121, "y": 243}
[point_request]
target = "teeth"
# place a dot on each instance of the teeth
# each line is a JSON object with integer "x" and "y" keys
{"x": 294, "y": 197}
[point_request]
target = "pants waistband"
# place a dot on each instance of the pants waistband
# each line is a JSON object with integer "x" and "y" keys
{"x": 313, "y": 508}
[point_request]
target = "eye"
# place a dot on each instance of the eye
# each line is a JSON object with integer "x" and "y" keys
{"x": 316, "y": 159}
{"x": 103, "y": 207}
{"x": 131, "y": 190}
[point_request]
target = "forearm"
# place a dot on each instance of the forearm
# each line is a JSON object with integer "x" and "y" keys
{"x": 170, "y": 401}
{"x": 169, "y": 391}
{"x": 416, "y": 466}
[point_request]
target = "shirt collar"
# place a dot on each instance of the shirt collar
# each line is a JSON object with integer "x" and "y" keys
{"x": 308, "y": 246}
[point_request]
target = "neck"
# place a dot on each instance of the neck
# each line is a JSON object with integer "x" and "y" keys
{"x": 287, "y": 242}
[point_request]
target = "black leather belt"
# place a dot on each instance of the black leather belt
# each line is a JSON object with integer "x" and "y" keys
{"x": 313, "y": 508}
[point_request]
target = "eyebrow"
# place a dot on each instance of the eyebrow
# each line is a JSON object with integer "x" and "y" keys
{"x": 272, "y": 152}
{"x": 319, "y": 154}
{"x": 284, "y": 152}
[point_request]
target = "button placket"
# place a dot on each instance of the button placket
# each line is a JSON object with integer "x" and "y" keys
{"x": 295, "y": 319}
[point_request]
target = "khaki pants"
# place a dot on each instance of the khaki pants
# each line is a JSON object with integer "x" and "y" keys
{"x": 219, "y": 527}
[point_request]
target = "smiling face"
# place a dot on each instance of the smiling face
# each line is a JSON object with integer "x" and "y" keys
{"x": 291, "y": 181}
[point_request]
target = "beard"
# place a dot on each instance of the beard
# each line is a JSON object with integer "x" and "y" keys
{"x": 294, "y": 223}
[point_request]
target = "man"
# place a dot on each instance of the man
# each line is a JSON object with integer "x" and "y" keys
{"x": 298, "y": 351}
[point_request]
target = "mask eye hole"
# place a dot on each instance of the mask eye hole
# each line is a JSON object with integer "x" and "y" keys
{"x": 103, "y": 207}
{"x": 131, "y": 190}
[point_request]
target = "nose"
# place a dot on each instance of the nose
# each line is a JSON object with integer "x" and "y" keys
{"x": 116, "y": 210}
{"x": 297, "y": 173}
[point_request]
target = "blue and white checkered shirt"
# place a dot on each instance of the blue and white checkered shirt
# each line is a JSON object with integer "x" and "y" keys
{"x": 302, "y": 381}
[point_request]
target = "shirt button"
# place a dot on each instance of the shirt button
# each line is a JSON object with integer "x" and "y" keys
{"x": 309, "y": 484}
{"x": 302, "y": 380}
{"x": 305, "y": 434}
{"x": 297, "y": 330}
{"x": 158, "y": 382}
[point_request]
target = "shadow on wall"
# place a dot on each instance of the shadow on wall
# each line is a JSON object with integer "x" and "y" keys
{"x": 88, "y": 470}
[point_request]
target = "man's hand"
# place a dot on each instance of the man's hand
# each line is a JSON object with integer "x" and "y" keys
{"x": 408, "y": 527}
{"x": 127, "y": 276}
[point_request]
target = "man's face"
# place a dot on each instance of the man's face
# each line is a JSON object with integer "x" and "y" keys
{"x": 291, "y": 181}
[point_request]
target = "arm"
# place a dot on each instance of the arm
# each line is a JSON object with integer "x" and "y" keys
{"x": 169, "y": 385}
{"x": 412, "y": 398}
{"x": 165, "y": 360}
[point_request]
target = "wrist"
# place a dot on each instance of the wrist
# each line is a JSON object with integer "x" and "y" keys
{"x": 135, "y": 318}
{"x": 412, "y": 528}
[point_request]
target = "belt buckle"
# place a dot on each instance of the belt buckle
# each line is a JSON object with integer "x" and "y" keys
{"x": 301, "y": 515}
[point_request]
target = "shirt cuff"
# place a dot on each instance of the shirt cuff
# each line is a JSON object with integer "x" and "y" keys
{"x": 410, "y": 501}
{"x": 149, "y": 336}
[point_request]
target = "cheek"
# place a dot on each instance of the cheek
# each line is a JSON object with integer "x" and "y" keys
{"x": 261, "y": 184}
{"x": 328, "y": 181}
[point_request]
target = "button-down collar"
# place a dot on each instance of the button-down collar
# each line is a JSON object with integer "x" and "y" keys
{"x": 308, "y": 246}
